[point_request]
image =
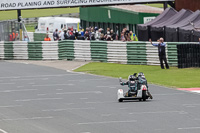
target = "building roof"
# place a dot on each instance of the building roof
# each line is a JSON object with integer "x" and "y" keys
{"x": 108, "y": 14}
{"x": 139, "y": 8}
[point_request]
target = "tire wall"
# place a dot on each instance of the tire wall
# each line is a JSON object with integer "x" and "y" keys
{"x": 135, "y": 53}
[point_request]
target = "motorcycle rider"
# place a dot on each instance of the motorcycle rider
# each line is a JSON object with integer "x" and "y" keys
{"x": 142, "y": 81}
{"x": 132, "y": 84}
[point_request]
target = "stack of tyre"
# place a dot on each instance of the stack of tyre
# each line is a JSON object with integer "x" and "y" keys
{"x": 188, "y": 55}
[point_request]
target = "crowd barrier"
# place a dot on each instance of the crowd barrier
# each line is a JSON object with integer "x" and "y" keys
{"x": 137, "y": 53}
{"x": 188, "y": 55}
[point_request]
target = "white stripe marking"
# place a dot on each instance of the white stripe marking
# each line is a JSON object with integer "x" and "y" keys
{"x": 107, "y": 86}
{"x": 38, "y": 99}
{"x": 1, "y": 130}
{"x": 191, "y": 104}
{"x": 188, "y": 128}
{"x": 123, "y": 108}
{"x": 74, "y": 72}
{"x": 190, "y": 92}
{"x": 20, "y": 86}
{"x": 31, "y": 83}
{"x": 106, "y": 115}
{"x": 33, "y": 118}
{"x": 70, "y": 84}
{"x": 41, "y": 94}
{"x": 59, "y": 89}
{"x": 51, "y": 85}
{"x": 59, "y": 75}
{"x": 106, "y": 122}
{"x": 168, "y": 94}
{"x": 159, "y": 129}
{"x": 112, "y": 87}
{"x": 159, "y": 112}
{"x": 84, "y": 92}
{"x": 88, "y": 79}
{"x": 7, "y": 83}
{"x": 55, "y": 110}
{"x": 29, "y": 79}
{"x": 83, "y": 98}
{"x": 99, "y": 102}
{"x": 10, "y": 106}
{"x": 196, "y": 91}
{"x": 7, "y": 91}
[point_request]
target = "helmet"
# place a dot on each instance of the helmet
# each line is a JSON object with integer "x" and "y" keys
{"x": 141, "y": 74}
{"x": 131, "y": 78}
{"x": 96, "y": 28}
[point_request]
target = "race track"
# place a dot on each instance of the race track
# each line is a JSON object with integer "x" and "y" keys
{"x": 38, "y": 99}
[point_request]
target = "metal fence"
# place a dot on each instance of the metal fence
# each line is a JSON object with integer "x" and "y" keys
{"x": 10, "y": 31}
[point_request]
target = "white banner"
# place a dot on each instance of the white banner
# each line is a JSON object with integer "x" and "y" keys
{"x": 148, "y": 19}
{"x": 31, "y": 4}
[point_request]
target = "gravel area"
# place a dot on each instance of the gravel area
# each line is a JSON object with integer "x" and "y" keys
{"x": 59, "y": 64}
{"x": 140, "y": 8}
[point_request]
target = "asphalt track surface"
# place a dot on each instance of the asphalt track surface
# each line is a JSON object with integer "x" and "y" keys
{"x": 38, "y": 99}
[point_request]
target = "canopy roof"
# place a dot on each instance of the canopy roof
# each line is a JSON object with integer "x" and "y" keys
{"x": 173, "y": 26}
{"x": 164, "y": 16}
{"x": 178, "y": 17}
{"x": 193, "y": 17}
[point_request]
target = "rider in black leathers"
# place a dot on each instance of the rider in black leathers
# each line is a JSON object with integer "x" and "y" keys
{"x": 141, "y": 80}
{"x": 132, "y": 84}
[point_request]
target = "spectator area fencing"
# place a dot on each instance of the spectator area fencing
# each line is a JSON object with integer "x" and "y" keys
{"x": 137, "y": 53}
{"x": 188, "y": 55}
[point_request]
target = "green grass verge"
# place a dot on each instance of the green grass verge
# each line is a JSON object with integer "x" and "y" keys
{"x": 156, "y": 5}
{"x": 5, "y": 15}
{"x": 173, "y": 77}
{"x": 30, "y": 27}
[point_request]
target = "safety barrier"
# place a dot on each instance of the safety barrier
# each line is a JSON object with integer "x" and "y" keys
{"x": 116, "y": 52}
{"x": 20, "y": 50}
{"x": 66, "y": 50}
{"x": 172, "y": 54}
{"x": 137, "y": 53}
{"x": 82, "y": 50}
{"x": 152, "y": 54}
{"x": 50, "y": 50}
{"x": 99, "y": 51}
{"x": 35, "y": 51}
{"x": 2, "y": 50}
{"x": 188, "y": 55}
{"x": 8, "y": 51}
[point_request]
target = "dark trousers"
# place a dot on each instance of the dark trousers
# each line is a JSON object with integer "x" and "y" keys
{"x": 163, "y": 58}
